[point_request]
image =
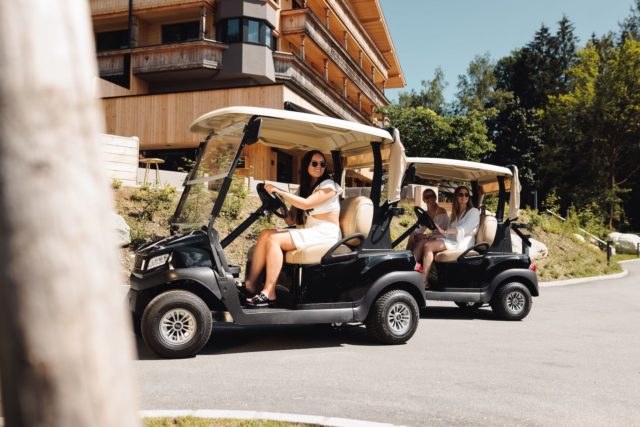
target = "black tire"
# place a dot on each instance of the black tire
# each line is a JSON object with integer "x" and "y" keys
{"x": 181, "y": 311}
{"x": 469, "y": 305}
{"x": 393, "y": 317}
{"x": 512, "y": 301}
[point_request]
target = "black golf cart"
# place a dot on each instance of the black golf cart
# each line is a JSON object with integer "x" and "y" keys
{"x": 489, "y": 272}
{"x": 182, "y": 283}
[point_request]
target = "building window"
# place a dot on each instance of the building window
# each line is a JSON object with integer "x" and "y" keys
{"x": 112, "y": 40}
{"x": 253, "y": 31}
{"x": 176, "y": 33}
{"x": 232, "y": 30}
{"x": 246, "y": 30}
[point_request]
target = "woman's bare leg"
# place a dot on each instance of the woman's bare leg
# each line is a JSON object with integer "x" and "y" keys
{"x": 276, "y": 244}
{"x": 418, "y": 248}
{"x": 430, "y": 248}
{"x": 258, "y": 259}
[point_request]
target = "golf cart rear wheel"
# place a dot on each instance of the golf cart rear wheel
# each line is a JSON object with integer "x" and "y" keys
{"x": 512, "y": 301}
{"x": 176, "y": 324}
{"x": 469, "y": 305}
{"x": 393, "y": 318}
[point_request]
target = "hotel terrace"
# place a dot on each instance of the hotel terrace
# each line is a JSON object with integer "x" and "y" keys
{"x": 163, "y": 63}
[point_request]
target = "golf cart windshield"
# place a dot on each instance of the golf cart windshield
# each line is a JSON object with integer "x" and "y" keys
{"x": 203, "y": 185}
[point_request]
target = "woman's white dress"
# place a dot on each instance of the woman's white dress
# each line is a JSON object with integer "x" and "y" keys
{"x": 466, "y": 229}
{"x": 315, "y": 231}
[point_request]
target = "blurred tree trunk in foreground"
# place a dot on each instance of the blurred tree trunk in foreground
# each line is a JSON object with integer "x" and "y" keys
{"x": 65, "y": 353}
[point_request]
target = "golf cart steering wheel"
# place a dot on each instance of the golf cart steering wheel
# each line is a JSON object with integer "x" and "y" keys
{"x": 424, "y": 218}
{"x": 272, "y": 202}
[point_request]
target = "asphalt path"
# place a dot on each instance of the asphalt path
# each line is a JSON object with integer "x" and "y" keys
{"x": 575, "y": 360}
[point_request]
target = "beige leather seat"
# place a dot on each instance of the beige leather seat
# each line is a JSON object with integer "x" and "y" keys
{"x": 486, "y": 233}
{"x": 356, "y": 215}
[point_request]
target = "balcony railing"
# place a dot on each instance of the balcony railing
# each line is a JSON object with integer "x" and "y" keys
{"x": 290, "y": 68}
{"x": 194, "y": 55}
{"x": 199, "y": 54}
{"x": 111, "y": 63}
{"x": 102, "y": 7}
{"x": 304, "y": 21}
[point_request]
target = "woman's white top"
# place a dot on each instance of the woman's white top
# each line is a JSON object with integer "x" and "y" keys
{"x": 331, "y": 205}
{"x": 466, "y": 229}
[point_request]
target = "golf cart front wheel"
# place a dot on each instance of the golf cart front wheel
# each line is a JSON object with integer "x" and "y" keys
{"x": 393, "y": 318}
{"x": 176, "y": 324}
{"x": 512, "y": 302}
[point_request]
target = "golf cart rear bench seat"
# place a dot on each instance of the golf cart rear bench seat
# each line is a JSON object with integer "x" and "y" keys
{"x": 356, "y": 216}
{"x": 486, "y": 233}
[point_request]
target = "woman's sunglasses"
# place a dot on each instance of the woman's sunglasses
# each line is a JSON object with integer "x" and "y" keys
{"x": 463, "y": 194}
{"x": 316, "y": 163}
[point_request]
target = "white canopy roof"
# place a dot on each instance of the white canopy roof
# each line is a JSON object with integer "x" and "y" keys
{"x": 456, "y": 170}
{"x": 289, "y": 129}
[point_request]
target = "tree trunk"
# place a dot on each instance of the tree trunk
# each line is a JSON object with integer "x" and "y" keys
{"x": 65, "y": 353}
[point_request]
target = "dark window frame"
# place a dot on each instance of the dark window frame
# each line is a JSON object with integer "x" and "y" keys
{"x": 106, "y": 38}
{"x": 265, "y": 33}
{"x": 186, "y": 31}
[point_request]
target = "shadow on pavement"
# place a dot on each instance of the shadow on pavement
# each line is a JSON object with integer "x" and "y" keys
{"x": 231, "y": 339}
{"x": 436, "y": 312}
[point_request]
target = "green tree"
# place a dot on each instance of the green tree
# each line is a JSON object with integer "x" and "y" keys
{"x": 630, "y": 27}
{"x": 428, "y": 134}
{"x": 597, "y": 127}
{"x": 430, "y": 96}
{"x": 477, "y": 89}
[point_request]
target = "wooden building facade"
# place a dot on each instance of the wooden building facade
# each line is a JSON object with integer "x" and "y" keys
{"x": 163, "y": 63}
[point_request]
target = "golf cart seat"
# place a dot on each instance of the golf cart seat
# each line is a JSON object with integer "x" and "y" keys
{"x": 356, "y": 216}
{"x": 486, "y": 233}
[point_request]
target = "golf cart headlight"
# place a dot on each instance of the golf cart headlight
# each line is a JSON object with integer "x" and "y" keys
{"x": 157, "y": 261}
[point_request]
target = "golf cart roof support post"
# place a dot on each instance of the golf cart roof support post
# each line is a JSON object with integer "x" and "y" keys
{"x": 190, "y": 175}
{"x": 226, "y": 184}
{"x": 337, "y": 166}
{"x": 475, "y": 194}
{"x": 376, "y": 183}
{"x": 502, "y": 197}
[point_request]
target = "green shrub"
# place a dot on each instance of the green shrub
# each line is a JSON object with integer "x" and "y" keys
{"x": 116, "y": 184}
{"x": 234, "y": 203}
{"x": 153, "y": 200}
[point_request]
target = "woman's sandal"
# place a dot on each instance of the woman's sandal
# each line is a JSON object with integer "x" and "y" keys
{"x": 260, "y": 301}
{"x": 242, "y": 289}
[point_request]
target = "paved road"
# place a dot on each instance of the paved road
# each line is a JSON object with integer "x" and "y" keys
{"x": 574, "y": 361}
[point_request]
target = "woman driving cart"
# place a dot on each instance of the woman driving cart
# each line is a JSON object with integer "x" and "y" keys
{"x": 315, "y": 211}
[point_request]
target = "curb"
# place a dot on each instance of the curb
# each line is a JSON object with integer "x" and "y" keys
{"x": 582, "y": 280}
{"x": 259, "y": 415}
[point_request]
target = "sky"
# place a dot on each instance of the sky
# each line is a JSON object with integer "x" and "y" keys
{"x": 450, "y": 33}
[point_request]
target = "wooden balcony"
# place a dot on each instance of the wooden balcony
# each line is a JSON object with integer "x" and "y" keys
{"x": 108, "y": 7}
{"x": 194, "y": 55}
{"x": 290, "y": 69}
{"x": 303, "y": 21}
{"x": 111, "y": 63}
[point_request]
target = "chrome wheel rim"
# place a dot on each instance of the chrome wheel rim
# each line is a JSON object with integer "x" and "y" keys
{"x": 177, "y": 326}
{"x": 399, "y": 318}
{"x": 515, "y": 301}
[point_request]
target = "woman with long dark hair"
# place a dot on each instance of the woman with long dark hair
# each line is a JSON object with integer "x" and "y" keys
{"x": 461, "y": 233}
{"x": 315, "y": 211}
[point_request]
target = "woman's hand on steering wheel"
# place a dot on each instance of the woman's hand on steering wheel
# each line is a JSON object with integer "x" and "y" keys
{"x": 271, "y": 200}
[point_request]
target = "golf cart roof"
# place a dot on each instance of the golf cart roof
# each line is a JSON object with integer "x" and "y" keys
{"x": 457, "y": 170}
{"x": 291, "y": 130}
